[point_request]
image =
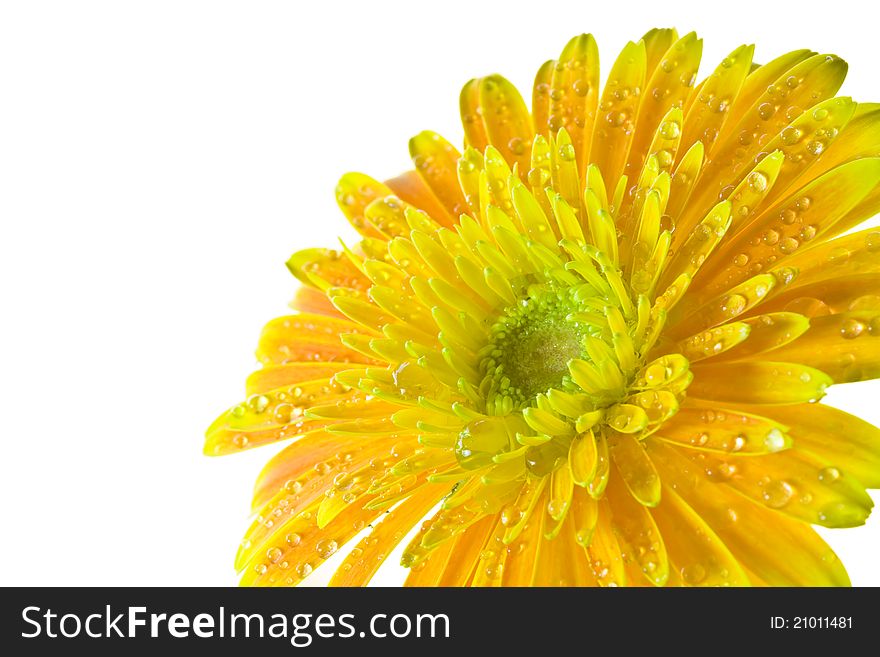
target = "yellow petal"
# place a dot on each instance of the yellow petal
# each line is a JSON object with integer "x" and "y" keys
{"x": 850, "y": 443}
{"x": 779, "y": 550}
{"x": 471, "y": 116}
{"x": 561, "y": 561}
{"x": 667, "y": 86}
{"x": 812, "y": 212}
{"x": 507, "y": 120}
{"x": 705, "y": 426}
{"x": 819, "y": 77}
{"x": 706, "y": 115}
{"x": 758, "y": 382}
{"x": 354, "y": 192}
{"x": 436, "y": 161}
{"x": 845, "y": 346}
{"x": 614, "y": 125}
{"x": 574, "y": 94}
{"x": 767, "y": 332}
{"x": 793, "y": 482}
{"x": 637, "y": 530}
{"x": 697, "y": 554}
{"x": 636, "y": 469}
{"x": 604, "y": 552}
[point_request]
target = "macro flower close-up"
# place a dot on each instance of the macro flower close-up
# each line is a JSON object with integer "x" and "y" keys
{"x": 589, "y": 345}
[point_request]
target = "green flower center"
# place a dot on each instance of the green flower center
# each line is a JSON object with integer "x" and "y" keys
{"x": 530, "y": 348}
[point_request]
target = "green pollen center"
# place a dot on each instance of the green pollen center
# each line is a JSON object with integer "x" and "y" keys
{"x": 530, "y": 347}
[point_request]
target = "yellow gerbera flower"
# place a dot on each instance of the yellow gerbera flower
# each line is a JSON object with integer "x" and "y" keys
{"x": 588, "y": 349}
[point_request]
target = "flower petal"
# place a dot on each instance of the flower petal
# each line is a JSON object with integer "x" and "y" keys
{"x": 845, "y": 346}
{"x": 636, "y": 469}
{"x": 849, "y": 442}
{"x": 819, "y": 77}
{"x": 561, "y": 561}
{"x": 354, "y": 192}
{"x": 304, "y": 337}
{"x": 364, "y": 560}
{"x": 758, "y": 382}
{"x": 436, "y": 161}
{"x": 766, "y": 332}
{"x": 705, "y": 426}
{"x": 614, "y": 126}
{"x": 793, "y": 482}
{"x": 812, "y": 212}
{"x": 695, "y": 551}
{"x": 779, "y": 550}
{"x": 709, "y": 111}
{"x": 278, "y": 376}
{"x": 574, "y": 95}
{"x": 507, "y": 120}
{"x": 667, "y": 86}
{"x": 637, "y": 532}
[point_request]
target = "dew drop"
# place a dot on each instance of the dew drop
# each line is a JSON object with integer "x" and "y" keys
{"x": 788, "y": 245}
{"x": 766, "y": 110}
{"x": 851, "y": 328}
{"x": 777, "y": 493}
{"x": 758, "y": 182}
{"x": 670, "y": 129}
{"x": 326, "y": 547}
{"x": 774, "y": 441}
{"x": 567, "y": 153}
{"x": 829, "y": 475}
{"x": 693, "y": 574}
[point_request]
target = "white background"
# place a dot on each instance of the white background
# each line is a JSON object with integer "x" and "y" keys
{"x": 159, "y": 161}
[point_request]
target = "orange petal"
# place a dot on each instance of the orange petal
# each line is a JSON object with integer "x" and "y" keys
{"x": 812, "y": 212}
{"x": 365, "y": 558}
{"x": 819, "y": 77}
{"x": 278, "y": 376}
{"x": 561, "y": 561}
{"x": 850, "y": 255}
{"x": 541, "y": 99}
{"x": 296, "y": 462}
{"x": 767, "y": 332}
{"x": 325, "y": 268}
{"x": 636, "y": 469}
{"x": 305, "y": 337}
{"x": 605, "y": 553}
{"x": 463, "y": 560}
{"x": 830, "y": 296}
{"x": 412, "y": 189}
{"x": 429, "y": 570}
